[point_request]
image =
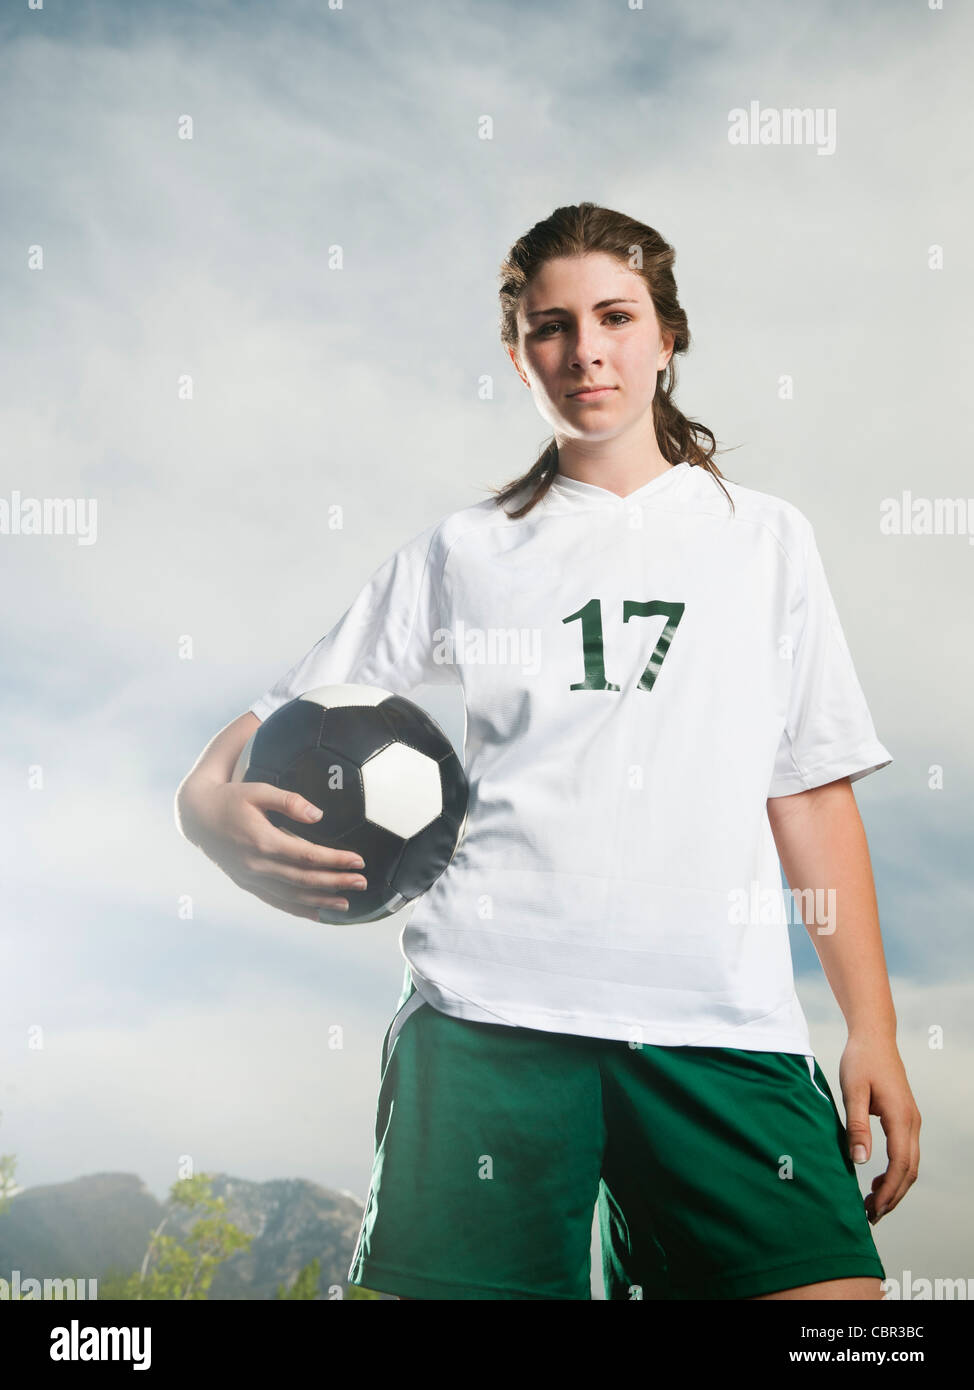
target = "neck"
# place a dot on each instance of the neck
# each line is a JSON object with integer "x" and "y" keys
{"x": 620, "y": 465}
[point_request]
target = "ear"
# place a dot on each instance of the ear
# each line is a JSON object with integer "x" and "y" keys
{"x": 669, "y": 340}
{"x": 517, "y": 367}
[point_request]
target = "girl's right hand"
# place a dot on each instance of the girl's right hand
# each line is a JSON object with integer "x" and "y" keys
{"x": 230, "y": 826}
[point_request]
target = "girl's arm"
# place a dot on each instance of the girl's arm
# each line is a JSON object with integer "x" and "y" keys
{"x": 821, "y": 843}
{"x": 213, "y": 767}
{"x": 822, "y": 846}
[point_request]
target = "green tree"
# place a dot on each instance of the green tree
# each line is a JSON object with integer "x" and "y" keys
{"x": 173, "y": 1271}
{"x": 357, "y": 1291}
{"x": 8, "y": 1163}
{"x": 305, "y": 1285}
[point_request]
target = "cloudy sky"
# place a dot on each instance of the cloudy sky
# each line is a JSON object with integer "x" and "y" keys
{"x": 132, "y": 259}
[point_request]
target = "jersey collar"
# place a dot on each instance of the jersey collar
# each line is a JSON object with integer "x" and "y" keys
{"x": 574, "y": 489}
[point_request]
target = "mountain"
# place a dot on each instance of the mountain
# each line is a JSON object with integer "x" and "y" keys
{"x": 83, "y": 1228}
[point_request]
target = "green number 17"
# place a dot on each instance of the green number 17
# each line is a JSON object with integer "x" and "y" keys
{"x": 592, "y": 647}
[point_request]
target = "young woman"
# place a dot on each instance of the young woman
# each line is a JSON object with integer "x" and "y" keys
{"x": 599, "y": 1005}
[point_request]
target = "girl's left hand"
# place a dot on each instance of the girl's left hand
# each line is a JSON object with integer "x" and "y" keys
{"x": 873, "y": 1082}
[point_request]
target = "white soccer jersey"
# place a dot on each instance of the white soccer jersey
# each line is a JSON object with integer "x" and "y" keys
{"x": 640, "y": 674}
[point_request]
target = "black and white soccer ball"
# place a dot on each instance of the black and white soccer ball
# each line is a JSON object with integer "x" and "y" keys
{"x": 389, "y": 783}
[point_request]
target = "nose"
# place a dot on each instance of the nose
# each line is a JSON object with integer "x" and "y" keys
{"x": 586, "y": 351}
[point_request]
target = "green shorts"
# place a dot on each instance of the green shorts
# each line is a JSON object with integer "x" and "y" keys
{"x": 718, "y": 1173}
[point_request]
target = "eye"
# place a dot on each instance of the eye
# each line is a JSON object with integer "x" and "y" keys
{"x": 557, "y": 323}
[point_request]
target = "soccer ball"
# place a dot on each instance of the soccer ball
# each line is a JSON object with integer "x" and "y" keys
{"x": 389, "y": 783}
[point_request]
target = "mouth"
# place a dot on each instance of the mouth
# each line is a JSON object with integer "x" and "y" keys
{"x": 593, "y": 393}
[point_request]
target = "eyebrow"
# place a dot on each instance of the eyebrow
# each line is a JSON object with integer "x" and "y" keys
{"x": 602, "y": 304}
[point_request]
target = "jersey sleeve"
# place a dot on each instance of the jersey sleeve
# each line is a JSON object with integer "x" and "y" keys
{"x": 828, "y": 730}
{"x": 387, "y": 636}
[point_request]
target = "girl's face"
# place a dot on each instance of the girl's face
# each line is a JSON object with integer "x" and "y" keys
{"x": 589, "y": 321}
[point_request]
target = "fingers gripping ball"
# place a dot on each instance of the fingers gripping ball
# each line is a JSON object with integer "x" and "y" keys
{"x": 386, "y": 777}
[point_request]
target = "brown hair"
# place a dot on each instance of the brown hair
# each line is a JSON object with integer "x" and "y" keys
{"x": 575, "y": 231}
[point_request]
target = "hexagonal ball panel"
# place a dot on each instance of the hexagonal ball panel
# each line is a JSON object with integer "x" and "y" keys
{"x": 341, "y": 806}
{"x": 402, "y": 789}
{"x": 425, "y": 857}
{"x": 287, "y": 733}
{"x": 354, "y": 730}
{"x": 412, "y": 724}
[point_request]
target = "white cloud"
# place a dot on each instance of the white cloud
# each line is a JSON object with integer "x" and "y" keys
{"x": 246, "y": 1082}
